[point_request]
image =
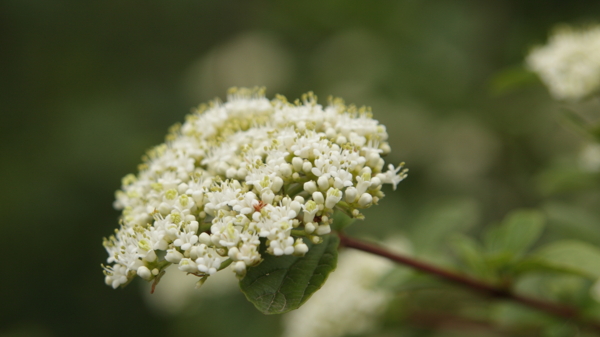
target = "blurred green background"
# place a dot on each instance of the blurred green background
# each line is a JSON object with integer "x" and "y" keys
{"x": 87, "y": 86}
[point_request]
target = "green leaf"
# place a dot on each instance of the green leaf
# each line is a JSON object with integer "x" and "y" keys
{"x": 471, "y": 253}
{"x": 573, "y": 221}
{"x": 578, "y": 124}
{"x": 394, "y": 278}
{"x": 519, "y": 230}
{"x": 511, "y": 79}
{"x": 535, "y": 264}
{"x": 439, "y": 220}
{"x": 341, "y": 220}
{"x": 566, "y": 178}
{"x": 594, "y": 130}
{"x": 283, "y": 283}
{"x": 568, "y": 256}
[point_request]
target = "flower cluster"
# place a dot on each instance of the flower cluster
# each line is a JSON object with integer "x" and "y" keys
{"x": 570, "y": 63}
{"x": 239, "y": 173}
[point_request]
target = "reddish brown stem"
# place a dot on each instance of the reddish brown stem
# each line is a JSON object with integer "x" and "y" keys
{"x": 559, "y": 310}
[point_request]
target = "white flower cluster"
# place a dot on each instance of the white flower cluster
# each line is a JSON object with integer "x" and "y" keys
{"x": 570, "y": 63}
{"x": 241, "y": 172}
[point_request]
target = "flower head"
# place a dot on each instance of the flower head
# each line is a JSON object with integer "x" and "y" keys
{"x": 241, "y": 172}
{"x": 570, "y": 63}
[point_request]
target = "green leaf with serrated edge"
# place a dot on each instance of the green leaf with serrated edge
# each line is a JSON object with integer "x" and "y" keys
{"x": 568, "y": 256}
{"x": 283, "y": 283}
{"x": 519, "y": 230}
{"x": 341, "y": 220}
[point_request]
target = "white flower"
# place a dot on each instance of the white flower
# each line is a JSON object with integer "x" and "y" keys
{"x": 209, "y": 263}
{"x": 310, "y": 209}
{"x": 187, "y": 238}
{"x": 173, "y": 255}
{"x": 393, "y": 175}
{"x": 240, "y": 171}
{"x": 115, "y": 275}
{"x": 188, "y": 266}
{"x": 570, "y": 63}
{"x": 333, "y": 197}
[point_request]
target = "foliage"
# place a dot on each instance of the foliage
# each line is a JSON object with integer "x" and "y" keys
{"x": 281, "y": 284}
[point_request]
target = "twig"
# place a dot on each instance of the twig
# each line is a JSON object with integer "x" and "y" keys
{"x": 559, "y": 310}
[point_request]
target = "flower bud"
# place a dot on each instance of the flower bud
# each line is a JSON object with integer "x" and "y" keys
{"x": 323, "y": 229}
{"x": 242, "y": 173}
{"x": 318, "y": 198}
{"x": 310, "y": 186}
{"x": 182, "y": 188}
{"x": 204, "y": 238}
{"x": 239, "y": 268}
{"x": 351, "y": 194}
{"x": 330, "y": 132}
{"x": 373, "y": 159}
{"x": 285, "y": 170}
{"x": 300, "y": 249}
{"x": 365, "y": 199}
{"x": 375, "y": 182}
{"x": 306, "y": 167}
{"x": 277, "y": 183}
{"x": 144, "y": 273}
{"x": 233, "y": 253}
{"x": 323, "y": 182}
{"x": 385, "y": 147}
{"x": 150, "y": 256}
{"x": 267, "y": 196}
{"x": 295, "y": 206}
{"x": 173, "y": 256}
{"x": 231, "y": 172}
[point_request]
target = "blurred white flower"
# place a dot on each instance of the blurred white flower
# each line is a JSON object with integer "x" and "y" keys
{"x": 249, "y": 59}
{"x": 239, "y": 172}
{"x": 570, "y": 63}
{"x": 595, "y": 290}
{"x": 350, "y": 303}
{"x": 177, "y": 290}
{"x": 589, "y": 158}
{"x": 351, "y": 62}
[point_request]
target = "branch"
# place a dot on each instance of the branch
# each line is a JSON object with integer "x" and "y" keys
{"x": 559, "y": 310}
